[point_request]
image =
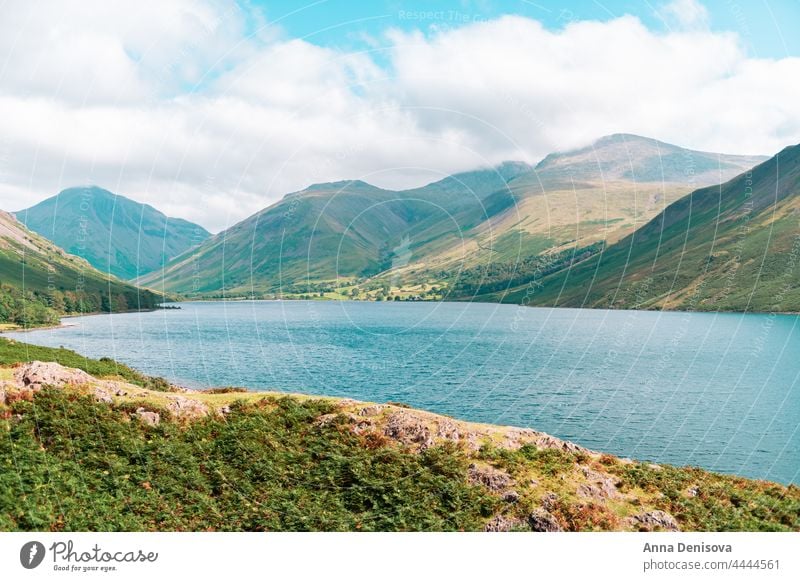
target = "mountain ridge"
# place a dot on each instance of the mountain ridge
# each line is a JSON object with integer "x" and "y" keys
{"x": 125, "y": 238}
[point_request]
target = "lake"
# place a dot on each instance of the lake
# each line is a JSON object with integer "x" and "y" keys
{"x": 721, "y": 391}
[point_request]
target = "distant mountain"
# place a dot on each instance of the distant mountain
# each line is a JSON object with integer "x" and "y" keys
{"x": 728, "y": 247}
{"x": 328, "y": 231}
{"x": 347, "y": 231}
{"x": 113, "y": 233}
{"x": 39, "y": 281}
{"x": 640, "y": 159}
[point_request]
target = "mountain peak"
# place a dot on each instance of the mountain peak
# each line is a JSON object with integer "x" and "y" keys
{"x": 127, "y": 238}
{"x": 629, "y": 157}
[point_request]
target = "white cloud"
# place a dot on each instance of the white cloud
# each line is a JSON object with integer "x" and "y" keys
{"x": 177, "y": 105}
{"x": 685, "y": 14}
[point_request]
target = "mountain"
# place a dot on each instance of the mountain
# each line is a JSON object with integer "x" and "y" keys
{"x": 354, "y": 238}
{"x": 340, "y": 230}
{"x": 728, "y": 247}
{"x": 40, "y": 281}
{"x": 121, "y": 451}
{"x": 115, "y": 234}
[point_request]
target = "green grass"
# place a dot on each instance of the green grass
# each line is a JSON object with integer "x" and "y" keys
{"x": 12, "y": 352}
{"x": 72, "y": 464}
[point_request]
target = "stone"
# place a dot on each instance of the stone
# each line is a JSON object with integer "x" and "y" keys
{"x": 502, "y": 524}
{"x": 371, "y": 410}
{"x": 541, "y": 521}
{"x": 492, "y": 478}
{"x": 653, "y": 520}
{"x": 549, "y": 501}
{"x": 599, "y": 486}
{"x": 36, "y": 374}
{"x": 183, "y": 407}
{"x": 148, "y": 417}
{"x": 511, "y": 496}
{"x": 447, "y": 430}
{"x": 408, "y": 429}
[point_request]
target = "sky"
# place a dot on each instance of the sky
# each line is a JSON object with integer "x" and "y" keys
{"x": 212, "y": 110}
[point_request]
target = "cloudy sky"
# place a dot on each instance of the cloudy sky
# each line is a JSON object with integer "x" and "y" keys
{"x": 211, "y": 110}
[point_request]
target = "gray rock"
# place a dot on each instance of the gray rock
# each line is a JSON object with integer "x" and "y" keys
{"x": 147, "y": 417}
{"x": 653, "y": 520}
{"x": 39, "y": 373}
{"x": 599, "y": 486}
{"x": 549, "y": 501}
{"x": 371, "y": 410}
{"x": 183, "y": 407}
{"x": 408, "y": 429}
{"x": 541, "y": 521}
{"x": 492, "y": 478}
{"x": 502, "y": 524}
{"x": 511, "y": 496}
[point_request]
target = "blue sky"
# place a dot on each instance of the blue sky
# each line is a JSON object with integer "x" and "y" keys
{"x": 767, "y": 27}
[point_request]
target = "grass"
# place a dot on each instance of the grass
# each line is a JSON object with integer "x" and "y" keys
{"x": 12, "y": 352}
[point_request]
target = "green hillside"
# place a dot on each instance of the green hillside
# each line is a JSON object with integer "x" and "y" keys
{"x": 728, "y": 247}
{"x": 113, "y": 233}
{"x": 39, "y": 281}
{"x": 343, "y": 230}
{"x": 353, "y": 239}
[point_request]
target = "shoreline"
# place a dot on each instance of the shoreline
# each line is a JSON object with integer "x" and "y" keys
{"x": 481, "y": 302}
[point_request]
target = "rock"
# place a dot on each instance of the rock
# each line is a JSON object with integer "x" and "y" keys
{"x": 224, "y": 410}
{"x": 371, "y": 410}
{"x": 147, "y": 417}
{"x": 408, "y": 429}
{"x": 38, "y": 373}
{"x": 358, "y": 424}
{"x": 599, "y": 486}
{"x": 549, "y": 501}
{"x": 655, "y": 467}
{"x": 101, "y": 395}
{"x": 541, "y": 521}
{"x": 502, "y": 524}
{"x": 511, "y": 496}
{"x": 492, "y": 478}
{"x": 693, "y": 491}
{"x": 447, "y": 430}
{"x": 517, "y": 437}
{"x": 653, "y": 520}
{"x": 325, "y": 420}
{"x": 183, "y": 407}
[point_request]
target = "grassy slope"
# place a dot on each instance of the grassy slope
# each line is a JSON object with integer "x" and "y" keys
{"x": 731, "y": 247}
{"x": 69, "y": 463}
{"x": 350, "y": 230}
{"x": 35, "y": 265}
{"x": 114, "y": 234}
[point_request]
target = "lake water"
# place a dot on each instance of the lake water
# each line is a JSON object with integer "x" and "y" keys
{"x": 718, "y": 391}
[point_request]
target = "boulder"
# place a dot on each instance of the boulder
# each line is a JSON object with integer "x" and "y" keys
{"x": 148, "y": 417}
{"x": 371, "y": 410}
{"x": 183, "y": 407}
{"x": 654, "y": 520}
{"x": 36, "y": 374}
{"x": 598, "y": 486}
{"x": 407, "y": 428}
{"x": 492, "y": 478}
{"x": 541, "y": 521}
{"x": 502, "y": 524}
